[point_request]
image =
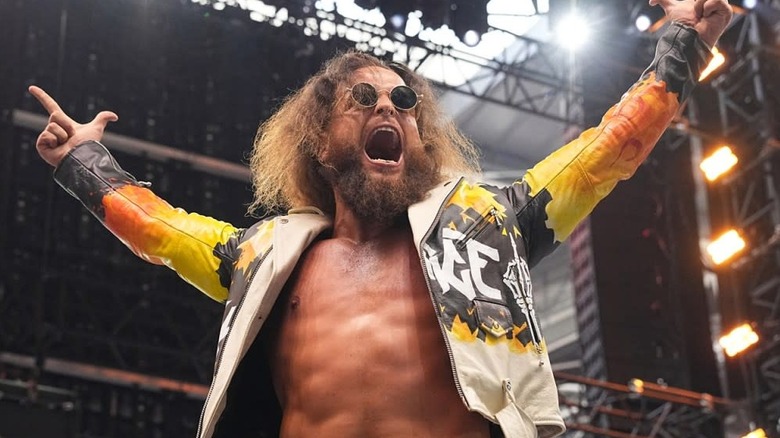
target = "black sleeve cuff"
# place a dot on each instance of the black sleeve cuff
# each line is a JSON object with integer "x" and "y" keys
{"x": 680, "y": 57}
{"x": 88, "y": 172}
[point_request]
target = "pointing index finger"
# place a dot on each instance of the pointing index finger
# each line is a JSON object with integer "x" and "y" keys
{"x": 49, "y": 104}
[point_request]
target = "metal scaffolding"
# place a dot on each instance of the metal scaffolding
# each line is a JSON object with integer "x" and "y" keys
{"x": 639, "y": 409}
{"x": 531, "y": 76}
{"x": 753, "y": 207}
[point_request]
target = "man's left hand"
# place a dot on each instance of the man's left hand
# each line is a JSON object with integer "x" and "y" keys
{"x": 708, "y": 17}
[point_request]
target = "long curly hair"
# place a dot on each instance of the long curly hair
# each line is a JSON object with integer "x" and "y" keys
{"x": 284, "y": 160}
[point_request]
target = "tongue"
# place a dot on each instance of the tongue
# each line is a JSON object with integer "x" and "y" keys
{"x": 384, "y": 145}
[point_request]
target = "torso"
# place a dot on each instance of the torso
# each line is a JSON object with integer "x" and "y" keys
{"x": 356, "y": 350}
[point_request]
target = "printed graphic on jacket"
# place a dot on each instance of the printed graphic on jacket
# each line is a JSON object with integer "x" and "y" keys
{"x": 479, "y": 278}
{"x": 255, "y": 246}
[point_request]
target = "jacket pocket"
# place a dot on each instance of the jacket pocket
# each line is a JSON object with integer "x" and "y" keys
{"x": 493, "y": 319}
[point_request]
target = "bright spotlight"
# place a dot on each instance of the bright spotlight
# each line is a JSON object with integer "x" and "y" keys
{"x": 398, "y": 21}
{"x": 749, "y": 4}
{"x": 471, "y": 38}
{"x": 718, "y": 59}
{"x": 738, "y": 340}
{"x": 643, "y": 22}
{"x": 758, "y": 433}
{"x": 725, "y": 246}
{"x": 720, "y": 162}
{"x": 637, "y": 386}
{"x": 572, "y": 32}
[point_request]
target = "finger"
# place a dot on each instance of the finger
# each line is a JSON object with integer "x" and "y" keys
{"x": 46, "y": 140}
{"x": 698, "y": 8}
{"x": 48, "y": 103}
{"x": 103, "y": 118}
{"x": 65, "y": 122}
{"x": 58, "y": 131}
{"x": 711, "y": 7}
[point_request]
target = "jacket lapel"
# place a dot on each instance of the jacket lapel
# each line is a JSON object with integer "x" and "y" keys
{"x": 423, "y": 214}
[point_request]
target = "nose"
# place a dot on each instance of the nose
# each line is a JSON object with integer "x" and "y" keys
{"x": 384, "y": 105}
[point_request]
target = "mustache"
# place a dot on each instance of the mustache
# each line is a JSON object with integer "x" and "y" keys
{"x": 377, "y": 200}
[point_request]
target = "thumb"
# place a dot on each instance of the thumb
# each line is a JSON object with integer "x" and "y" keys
{"x": 103, "y": 118}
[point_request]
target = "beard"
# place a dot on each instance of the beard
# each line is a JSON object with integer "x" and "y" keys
{"x": 379, "y": 200}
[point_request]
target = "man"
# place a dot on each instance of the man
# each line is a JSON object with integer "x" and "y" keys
{"x": 389, "y": 276}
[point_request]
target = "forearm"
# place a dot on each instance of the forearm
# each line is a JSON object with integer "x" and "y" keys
{"x": 195, "y": 246}
{"x": 580, "y": 174}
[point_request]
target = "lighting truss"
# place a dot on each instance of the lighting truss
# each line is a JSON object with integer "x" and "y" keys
{"x": 531, "y": 76}
{"x": 754, "y": 206}
{"x": 638, "y": 410}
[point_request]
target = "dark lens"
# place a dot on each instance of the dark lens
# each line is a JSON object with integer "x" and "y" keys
{"x": 364, "y": 94}
{"x": 403, "y": 97}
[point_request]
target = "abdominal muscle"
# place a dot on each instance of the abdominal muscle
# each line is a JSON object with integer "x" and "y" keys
{"x": 356, "y": 350}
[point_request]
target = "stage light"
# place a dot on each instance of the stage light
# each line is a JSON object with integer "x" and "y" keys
{"x": 758, "y": 433}
{"x": 468, "y": 19}
{"x": 396, "y": 12}
{"x": 471, "y": 38}
{"x": 749, "y": 4}
{"x": 398, "y": 21}
{"x": 573, "y": 32}
{"x": 643, "y": 22}
{"x": 720, "y": 162}
{"x": 718, "y": 59}
{"x": 725, "y": 246}
{"x": 636, "y": 386}
{"x": 648, "y": 18}
{"x": 738, "y": 340}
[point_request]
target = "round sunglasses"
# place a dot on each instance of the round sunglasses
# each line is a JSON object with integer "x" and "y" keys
{"x": 402, "y": 96}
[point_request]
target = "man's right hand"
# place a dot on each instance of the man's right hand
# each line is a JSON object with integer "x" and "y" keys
{"x": 62, "y": 134}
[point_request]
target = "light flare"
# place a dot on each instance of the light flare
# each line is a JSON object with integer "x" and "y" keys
{"x": 738, "y": 340}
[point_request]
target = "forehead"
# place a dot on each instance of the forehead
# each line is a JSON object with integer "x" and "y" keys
{"x": 380, "y": 77}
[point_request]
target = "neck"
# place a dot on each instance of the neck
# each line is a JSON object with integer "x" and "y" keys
{"x": 357, "y": 228}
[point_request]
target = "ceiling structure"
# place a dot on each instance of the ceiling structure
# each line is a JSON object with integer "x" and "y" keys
{"x": 516, "y": 104}
{"x": 518, "y": 101}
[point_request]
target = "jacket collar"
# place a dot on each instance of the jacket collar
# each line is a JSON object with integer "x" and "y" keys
{"x": 423, "y": 214}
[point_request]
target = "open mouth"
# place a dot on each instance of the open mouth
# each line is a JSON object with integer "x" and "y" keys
{"x": 384, "y": 146}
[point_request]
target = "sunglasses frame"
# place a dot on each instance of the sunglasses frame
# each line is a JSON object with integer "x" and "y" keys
{"x": 418, "y": 97}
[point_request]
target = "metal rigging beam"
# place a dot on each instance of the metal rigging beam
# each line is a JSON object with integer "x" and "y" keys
{"x": 530, "y": 76}
{"x": 753, "y": 205}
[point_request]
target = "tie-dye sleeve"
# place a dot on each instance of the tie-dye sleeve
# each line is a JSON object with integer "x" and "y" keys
{"x": 560, "y": 191}
{"x": 200, "y": 249}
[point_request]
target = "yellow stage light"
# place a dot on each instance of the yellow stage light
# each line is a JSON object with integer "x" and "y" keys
{"x": 725, "y": 246}
{"x": 718, "y": 163}
{"x": 718, "y": 59}
{"x": 758, "y": 433}
{"x": 738, "y": 340}
{"x": 636, "y": 386}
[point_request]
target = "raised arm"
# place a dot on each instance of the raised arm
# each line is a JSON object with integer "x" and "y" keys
{"x": 560, "y": 191}
{"x": 200, "y": 249}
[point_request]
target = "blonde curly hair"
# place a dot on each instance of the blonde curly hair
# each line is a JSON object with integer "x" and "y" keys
{"x": 284, "y": 164}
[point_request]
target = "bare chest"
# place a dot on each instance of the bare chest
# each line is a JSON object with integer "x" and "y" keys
{"x": 356, "y": 348}
{"x": 361, "y": 286}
